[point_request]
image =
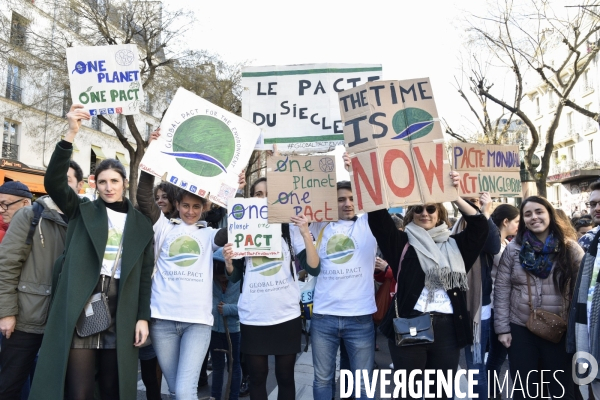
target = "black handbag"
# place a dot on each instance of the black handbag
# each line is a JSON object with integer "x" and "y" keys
{"x": 95, "y": 317}
{"x": 413, "y": 330}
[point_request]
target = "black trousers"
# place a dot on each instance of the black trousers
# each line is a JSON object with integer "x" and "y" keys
{"x": 528, "y": 354}
{"x": 443, "y": 353}
{"x": 16, "y": 360}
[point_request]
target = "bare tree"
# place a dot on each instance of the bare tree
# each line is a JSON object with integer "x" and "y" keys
{"x": 531, "y": 39}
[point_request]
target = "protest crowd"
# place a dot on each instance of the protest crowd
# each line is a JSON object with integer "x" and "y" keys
{"x": 93, "y": 289}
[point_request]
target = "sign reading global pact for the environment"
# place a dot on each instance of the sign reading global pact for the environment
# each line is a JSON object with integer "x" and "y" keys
{"x": 250, "y": 231}
{"x": 393, "y": 135}
{"x": 296, "y": 105}
{"x": 302, "y": 185}
{"x": 487, "y": 168}
{"x": 106, "y": 79}
{"x": 202, "y": 148}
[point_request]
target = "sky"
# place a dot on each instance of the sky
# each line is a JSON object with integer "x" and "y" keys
{"x": 411, "y": 39}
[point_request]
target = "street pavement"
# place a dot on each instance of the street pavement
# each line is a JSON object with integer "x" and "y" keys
{"x": 304, "y": 375}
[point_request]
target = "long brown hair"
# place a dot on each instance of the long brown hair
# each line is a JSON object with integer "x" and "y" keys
{"x": 441, "y": 211}
{"x": 564, "y": 271}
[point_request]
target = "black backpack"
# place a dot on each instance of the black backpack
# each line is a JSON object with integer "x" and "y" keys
{"x": 38, "y": 209}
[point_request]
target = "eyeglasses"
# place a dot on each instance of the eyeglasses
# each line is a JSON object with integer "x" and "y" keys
{"x": 4, "y": 207}
{"x": 591, "y": 204}
{"x": 430, "y": 209}
{"x": 583, "y": 222}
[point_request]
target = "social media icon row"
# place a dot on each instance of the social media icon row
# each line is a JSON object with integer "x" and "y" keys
{"x": 184, "y": 185}
{"x": 103, "y": 111}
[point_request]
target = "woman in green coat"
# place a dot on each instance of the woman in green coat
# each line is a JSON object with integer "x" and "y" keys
{"x": 68, "y": 362}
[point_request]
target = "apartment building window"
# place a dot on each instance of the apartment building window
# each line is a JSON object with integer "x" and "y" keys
{"x": 557, "y": 194}
{"x": 13, "y": 82}
{"x": 96, "y": 156}
{"x": 10, "y": 136}
{"x": 551, "y": 102}
{"x": 148, "y": 105}
{"x": 591, "y": 148}
{"x": 585, "y": 77}
{"x": 121, "y": 123}
{"x": 555, "y": 156}
{"x": 96, "y": 123}
{"x": 18, "y": 30}
{"x": 570, "y": 122}
{"x": 148, "y": 130}
{"x": 571, "y": 153}
{"x": 537, "y": 106}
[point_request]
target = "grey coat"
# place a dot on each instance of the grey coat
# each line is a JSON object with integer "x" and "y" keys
{"x": 511, "y": 299}
{"x": 26, "y": 270}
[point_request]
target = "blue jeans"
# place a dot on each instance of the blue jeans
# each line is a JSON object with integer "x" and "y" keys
{"x": 180, "y": 348}
{"x": 218, "y": 340}
{"x": 481, "y": 389}
{"x": 359, "y": 339}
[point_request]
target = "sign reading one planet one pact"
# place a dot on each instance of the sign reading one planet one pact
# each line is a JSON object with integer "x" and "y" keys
{"x": 202, "y": 148}
{"x": 302, "y": 185}
{"x": 296, "y": 105}
{"x": 106, "y": 79}
{"x": 249, "y": 230}
{"x": 393, "y": 135}
{"x": 487, "y": 168}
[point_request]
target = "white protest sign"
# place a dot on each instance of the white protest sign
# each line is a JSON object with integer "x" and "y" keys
{"x": 297, "y": 105}
{"x": 202, "y": 148}
{"x": 106, "y": 79}
{"x": 249, "y": 230}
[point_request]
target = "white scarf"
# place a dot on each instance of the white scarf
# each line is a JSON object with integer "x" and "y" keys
{"x": 439, "y": 257}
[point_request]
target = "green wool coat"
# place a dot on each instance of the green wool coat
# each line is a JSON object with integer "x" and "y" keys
{"x": 76, "y": 274}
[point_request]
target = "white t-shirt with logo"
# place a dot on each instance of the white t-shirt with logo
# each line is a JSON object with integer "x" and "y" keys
{"x": 182, "y": 283}
{"x": 270, "y": 294}
{"x": 440, "y": 303}
{"x": 347, "y": 252}
{"x": 116, "y": 226}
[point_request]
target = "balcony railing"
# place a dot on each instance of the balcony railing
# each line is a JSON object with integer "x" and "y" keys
{"x": 567, "y": 166}
{"x": 10, "y": 150}
{"x": 13, "y": 92}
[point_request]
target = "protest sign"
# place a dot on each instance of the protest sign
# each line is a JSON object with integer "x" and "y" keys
{"x": 106, "y": 79}
{"x": 296, "y": 105}
{"x": 487, "y": 168}
{"x": 202, "y": 148}
{"x": 302, "y": 185}
{"x": 249, "y": 231}
{"x": 393, "y": 135}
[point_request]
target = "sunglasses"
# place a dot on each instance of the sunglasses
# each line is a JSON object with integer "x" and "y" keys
{"x": 430, "y": 209}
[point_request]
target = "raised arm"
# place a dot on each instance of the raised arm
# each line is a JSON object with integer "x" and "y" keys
{"x": 55, "y": 180}
{"x": 306, "y": 251}
{"x": 390, "y": 240}
{"x": 144, "y": 196}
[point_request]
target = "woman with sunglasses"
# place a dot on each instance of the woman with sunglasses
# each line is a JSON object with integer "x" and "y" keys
{"x": 431, "y": 267}
{"x": 537, "y": 271}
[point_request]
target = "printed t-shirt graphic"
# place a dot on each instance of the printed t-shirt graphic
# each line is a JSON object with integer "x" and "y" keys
{"x": 116, "y": 226}
{"x": 271, "y": 294}
{"x": 347, "y": 252}
{"x": 182, "y": 284}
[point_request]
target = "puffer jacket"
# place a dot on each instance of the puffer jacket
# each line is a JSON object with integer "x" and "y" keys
{"x": 511, "y": 298}
{"x": 26, "y": 270}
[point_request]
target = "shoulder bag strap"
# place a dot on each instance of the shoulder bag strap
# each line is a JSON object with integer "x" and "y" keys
{"x": 116, "y": 262}
{"x": 398, "y": 275}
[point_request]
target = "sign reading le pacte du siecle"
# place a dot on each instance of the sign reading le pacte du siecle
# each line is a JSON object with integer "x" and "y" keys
{"x": 106, "y": 79}
{"x": 202, "y": 148}
{"x": 296, "y": 105}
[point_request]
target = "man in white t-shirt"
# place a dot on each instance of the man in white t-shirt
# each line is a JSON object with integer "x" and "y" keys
{"x": 344, "y": 298}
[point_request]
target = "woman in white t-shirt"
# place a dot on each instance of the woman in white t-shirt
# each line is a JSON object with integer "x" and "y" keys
{"x": 181, "y": 300}
{"x": 269, "y": 305}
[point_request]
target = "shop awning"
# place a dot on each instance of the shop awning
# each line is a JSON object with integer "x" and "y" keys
{"x": 99, "y": 153}
{"x": 121, "y": 157}
{"x": 35, "y": 183}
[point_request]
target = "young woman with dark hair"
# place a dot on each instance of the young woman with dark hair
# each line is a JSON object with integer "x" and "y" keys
{"x": 542, "y": 262}
{"x": 506, "y": 218}
{"x": 95, "y": 233}
{"x": 270, "y": 321}
{"x": 165, "y": 195}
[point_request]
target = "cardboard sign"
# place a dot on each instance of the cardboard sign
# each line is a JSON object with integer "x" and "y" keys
{"x": 202, "y": 148}
{"x": 249, "y": 230}
{"x": 393, "y": 135}
{"x": 106, "y": 79}
{"x": 302, "y": 185}
{"x": 296, "y": 105}
{"x": 487, "y": 168}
